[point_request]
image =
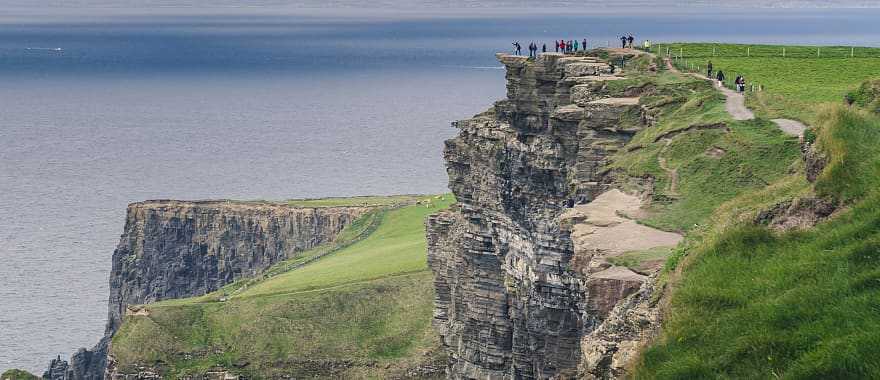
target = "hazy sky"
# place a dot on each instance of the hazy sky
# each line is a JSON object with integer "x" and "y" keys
{"x": 421, "y": 4}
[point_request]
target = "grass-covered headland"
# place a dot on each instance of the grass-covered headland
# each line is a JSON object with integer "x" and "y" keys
{"x": 362, "y": 310}
{"x": 746, "y": 300}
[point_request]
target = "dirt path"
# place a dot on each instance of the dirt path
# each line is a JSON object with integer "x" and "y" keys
{"x": 736, "y": 105}
{"x": 603, "y": 228}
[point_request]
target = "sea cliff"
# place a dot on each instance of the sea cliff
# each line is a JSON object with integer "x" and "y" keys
{"x": 516, "y": 295}
{"x": 174, "y": 249}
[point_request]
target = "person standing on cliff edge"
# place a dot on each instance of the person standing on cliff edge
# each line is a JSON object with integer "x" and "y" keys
{"x": 584, "y": 44}
{"x": 544, "y": 48}
{"x": 517, "y": 48}
{"x": 557, "y": 46}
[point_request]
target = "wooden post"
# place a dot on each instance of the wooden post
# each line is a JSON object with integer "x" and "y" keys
{"x": 748, "y": 51}
{"x": 681, "y": 52}
{"x": 667, "y": 51}
{"x": 783, "y": 52}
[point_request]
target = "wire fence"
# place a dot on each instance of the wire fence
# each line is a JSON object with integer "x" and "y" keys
{"x": 694, "y": 50}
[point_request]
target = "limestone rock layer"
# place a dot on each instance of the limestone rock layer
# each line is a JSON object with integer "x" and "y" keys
{"x": 511, "y": 303}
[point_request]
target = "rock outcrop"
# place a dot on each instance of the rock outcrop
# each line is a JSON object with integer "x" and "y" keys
{"x": 175, "y": 249}
{"x": 513, "y": 302}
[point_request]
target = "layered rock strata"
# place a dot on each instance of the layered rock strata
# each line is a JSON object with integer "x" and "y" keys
{"x": 512, "y": 303}
{"x": 175, "y": 249}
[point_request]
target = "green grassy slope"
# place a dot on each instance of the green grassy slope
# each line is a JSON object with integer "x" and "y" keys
{"x": 751, "y": 303}
{"x": 714, "y": 157}
{"x": 754, "y": 304}
{"x": 17, "y": 374}
{"x": 362, "y": 311}
{"x": 793, "y": 84}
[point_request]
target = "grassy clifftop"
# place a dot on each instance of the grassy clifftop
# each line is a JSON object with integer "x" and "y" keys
{"x": 794, "y": 84}
{"x": 363, "y": 310}
{"x": 751, "y": 301}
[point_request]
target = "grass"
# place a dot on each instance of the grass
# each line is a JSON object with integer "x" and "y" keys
{"x": 751, "y": 303}
{"x": 363, "y": 311}
{"x": 17, "y": 374}
{"x": 794, "y": 84}
{"x": 372, "y": 200}
{"x": 635, "y": 259}
{"x": 713, "y": 164}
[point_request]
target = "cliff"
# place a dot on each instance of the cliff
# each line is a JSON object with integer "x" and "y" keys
{"x": 517, "y": 295}
{"x": 175, "y": 249}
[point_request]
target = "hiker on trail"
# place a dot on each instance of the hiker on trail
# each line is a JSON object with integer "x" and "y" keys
{"x": 575, "y": 45}
{"x": 533, "y": 50}
{"x": 584, "y": 44}
{"x": 709, "y": 69}
{"x": 741, "y": 83}
{"x": 630, "y": 40}
{"x": 647, "y": 45}
{"x": 570, "y": 46}
{"x": 562, "y": 46}
{"x": 720, "y": 77}
{"x": 544, "y": 48}
{"x": 517, "y": 48}
{"x": 557, "y": 46}
{"x": 623, "y": 42}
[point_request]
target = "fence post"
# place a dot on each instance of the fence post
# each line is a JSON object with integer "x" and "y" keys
{"x": 748, "y": 51}
{"x": 852, "y": 52}
{"x": 818, "y": 52}
{"x": 681, "y": 52}
{"x": 667, "y": 51}
{"x": 783, "y": 52}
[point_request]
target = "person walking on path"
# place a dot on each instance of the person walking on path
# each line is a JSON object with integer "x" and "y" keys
{"x": 517, "y": 48}
{"x": 575, "y": 45}
{"x": 544, "y": 48}
{"x": 533, "y": 50}
{"x": 584, "y": 44}
{"x": 557, "y": 46}
{"x": 630, "y": 40}
{"x": 570, "y": 46}
{"x": 720, "y": 78}
{"x": 623, "y": 42}
{"x": 709, "y": 69}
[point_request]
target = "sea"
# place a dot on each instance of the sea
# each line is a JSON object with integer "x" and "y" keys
{"x": 104, "y": 105}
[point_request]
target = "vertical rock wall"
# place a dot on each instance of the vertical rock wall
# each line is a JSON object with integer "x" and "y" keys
{"x": 509, "y": 303}
{"x": 175, "y": 249}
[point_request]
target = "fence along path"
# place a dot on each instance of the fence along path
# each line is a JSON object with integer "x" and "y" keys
{"x": 736, "y": 105}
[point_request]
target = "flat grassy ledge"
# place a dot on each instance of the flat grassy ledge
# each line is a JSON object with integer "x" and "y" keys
{"x": 362, "y": 311}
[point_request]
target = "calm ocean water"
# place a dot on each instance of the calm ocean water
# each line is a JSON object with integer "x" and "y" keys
{"x": 100, "y": 109}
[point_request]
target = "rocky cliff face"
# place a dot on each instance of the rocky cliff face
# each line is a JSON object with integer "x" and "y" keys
{"x": 515, "y": 297}
{"x": 174, "y": 249}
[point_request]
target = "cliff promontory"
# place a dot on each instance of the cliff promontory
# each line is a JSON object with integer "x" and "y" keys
{"x": 572, "y": 193}
{"x": 515, "y": 294}
{"x": 174, "y": 249}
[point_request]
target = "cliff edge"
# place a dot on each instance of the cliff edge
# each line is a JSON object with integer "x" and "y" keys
{"x": 174, "y": 249}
